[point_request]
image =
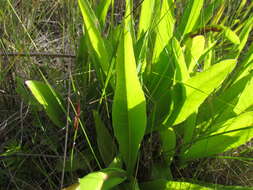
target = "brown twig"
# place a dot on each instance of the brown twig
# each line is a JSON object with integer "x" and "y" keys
{"x": 36, "y": 54}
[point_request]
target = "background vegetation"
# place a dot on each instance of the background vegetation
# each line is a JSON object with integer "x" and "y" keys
{"x": 32, "y": 147}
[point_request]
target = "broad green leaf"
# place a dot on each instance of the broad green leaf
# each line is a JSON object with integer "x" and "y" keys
{"x": 105, "y": 141}
{"x": 194, "y": 49}
{"x": 23, "y": 92}
{"x": 50, "y": 100}
{"x": 188, "y": 96}
{"x": 164, "y": 28}
{"x": 180, "y": 65}
{"x": 231, "y": 134}
{"x": 129, "y": 106}
{"x": 224, "y": 100}
{"x": 161, "y": 80}
{"x": 102, "y": 180}
{"x": 146, "y": 17}
{"x": 246, "y": 98}
{"x": 189, "y": 18}
{"x": 162, "y": 184}
{"x": 246, "y": 65}
{"x": 93, "y": 30}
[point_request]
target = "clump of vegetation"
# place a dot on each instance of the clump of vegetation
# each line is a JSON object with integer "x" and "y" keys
{"x": 166, "y": 96}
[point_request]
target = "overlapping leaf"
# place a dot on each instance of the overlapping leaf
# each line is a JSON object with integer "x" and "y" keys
{"x": 93, "y": 30}
{"x": 231, "y": 134}
{"x": 192, "y": 93}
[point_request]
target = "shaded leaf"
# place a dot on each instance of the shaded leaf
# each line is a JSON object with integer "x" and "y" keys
{"x": 105, "y": 141}
{"x": 231, "y": 134}
{"x": 177, "y": 185}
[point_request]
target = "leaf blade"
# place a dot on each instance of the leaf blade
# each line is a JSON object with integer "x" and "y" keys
{"x": 129, "y": 105}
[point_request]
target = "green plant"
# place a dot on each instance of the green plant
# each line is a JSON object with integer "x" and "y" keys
{"x": 182, "y": 76}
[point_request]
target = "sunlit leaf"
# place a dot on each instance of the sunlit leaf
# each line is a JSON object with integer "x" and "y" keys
{"x": 50, "y": 100}
{"x": 102, "y": 10}
{"x": 194, "y": 49}
{"x": 164, "y": 28}
{"x": 189, "y": 18}
{"x": 129, "y": 105}
{"x": 188, "y": 96}
{"x": 180, "y": 65}
{"x": 146, "y": 17}
{"x": 102, "y": 180}
{"x": 93, "y": 30}
{"x": 230, "y": 35}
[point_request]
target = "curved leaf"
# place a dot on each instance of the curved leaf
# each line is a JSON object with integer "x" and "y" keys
{"x": 49, "y": 99}
{"x": 188, "y": 96}
{"x": 103, "y": 179}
